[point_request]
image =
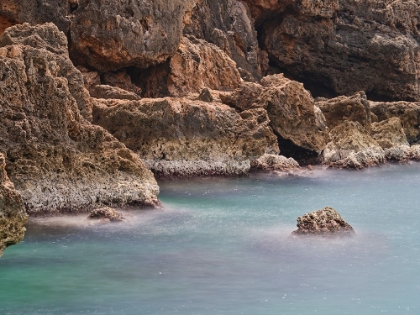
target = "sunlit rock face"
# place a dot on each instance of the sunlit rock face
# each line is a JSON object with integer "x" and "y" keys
{"x": 56, "y": 159}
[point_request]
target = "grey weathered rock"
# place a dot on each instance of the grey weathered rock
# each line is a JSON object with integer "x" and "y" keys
{"x": 12, "y": 211}
{"x": 179, "y": 136}
{"x": 324, "y": 222}
{"x": 345, "y": 46}
{"x": 57, "y": 160}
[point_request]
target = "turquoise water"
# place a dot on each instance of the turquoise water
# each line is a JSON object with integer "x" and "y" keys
{"x": 221, "y": 246}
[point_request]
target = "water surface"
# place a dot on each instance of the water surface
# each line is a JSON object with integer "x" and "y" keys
{"x": 222, "y": 246}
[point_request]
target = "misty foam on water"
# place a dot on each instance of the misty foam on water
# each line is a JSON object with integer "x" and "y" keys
{"x": 222, "y": 246}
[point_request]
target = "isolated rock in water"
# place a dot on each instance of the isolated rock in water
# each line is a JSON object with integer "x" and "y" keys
{"x": 106, "y": 213}
{"x": 324, "y": 222}
{"x": 407, "y": 112}
{"x": 12, "y": 211}
{"x": 342, "y": 108}
{"x": 110, "y": 35}
{"x": 345, "y": 46}
{"x": 56, "y": 159}
{"x": 391, "y": 137}
{"x": 275, "y": 162}
{"x": 179, "y": 136}
{"x": 352, "y": 147}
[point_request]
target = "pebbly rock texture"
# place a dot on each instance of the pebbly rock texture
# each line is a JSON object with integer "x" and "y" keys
{"x": 12, "y": 211}
{"x": 352, "y": 147}
{"x": 198, "y": 64}
{"x": 106, "y": 213}
{"x": 109, "y": 35}
{"x": 56, "y": 159}
{"x": 344, "y": 46}
{"x": 275, "y": 162}
{"x": 179, "y": 136}
{"x": 391, "y": 137}
{"x": 408, "y": 113}
{"x": 346, "y": 108}
{"x": 34, "y": 12}
{"x": 229, "y": 25}
{"x": 324, "y": 222}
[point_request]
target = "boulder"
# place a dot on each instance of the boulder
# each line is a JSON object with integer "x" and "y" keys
{"x": 324, "y": 222}
{"x": 56, "y": 159}
{"x": 12, "y": 211}
{"x": 106, "y": 213}
{"x": 180, "y": 136}
{"x": 275, "y": 162}
{"x": 407, "y": 112}
{"x": 391, "y": 137}
{"x": 351, "y": 146}
{"x": 340, "y": 109}
{"x": 198, "y": 64}
{"x": 343, "y": 46}
{"x": 110, "y": 35}
{"x": 112, "y": 92}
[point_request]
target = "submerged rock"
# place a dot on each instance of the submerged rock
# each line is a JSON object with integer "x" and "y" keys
{"x": 12, "y": 211}
{"x": 324, "y": 222}
{"x": 106, "y": 213}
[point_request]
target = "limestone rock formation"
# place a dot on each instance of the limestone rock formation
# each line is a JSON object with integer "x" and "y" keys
{"x": 106, "y": 213}
{"x": 111, "y": 92}
{"x": 262, "y": 10}
{"x": 407, "y": 112}
{"x": 109, "y": 35}
{"x": 229, "y": 25}
{"x": 275, "y": 162}
{"x": 293, "y": 114}
{"x": 198, "y": 64}
{"x": 352, "y": 147}
{"x": 179, "y": 136}
{"x": 344, "y": 46}
{"x": 12, "y": 211}
{"x": 391, "y": 137}
{"x": 346, "y": 108}
{"x": 324, "y": 222}
{"x": 56, "y": 159}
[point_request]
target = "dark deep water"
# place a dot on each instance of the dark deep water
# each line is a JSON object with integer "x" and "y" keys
{"x": 221, "y": 246}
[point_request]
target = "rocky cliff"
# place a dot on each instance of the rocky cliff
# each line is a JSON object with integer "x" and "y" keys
{"x": 95, "y": 94}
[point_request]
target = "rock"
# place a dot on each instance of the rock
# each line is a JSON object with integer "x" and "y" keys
{"x": 121, "y": 79}
{"x": 110, "y": 35}
{"x": 275, "y": 162}
{"x": 198, "y": 64}
{"x": 35, "y": 12}
{"x": 57, "y": 160}
{"x": 262, "y": 10}
{"x": 228, "y": 25}
{"x": 205, "y": 95}
{"x": 12, "y": 211}
{"x": 391, "y": 137}
{"x": 292, "y": 113}
{"x": 111, "y": 92}
{"x": 340, "y": 109}
{"x": 324, "y": 222}
{"x": 343, "y": 46}
{"x": 352, "y": 147}
{"x": 179, "y": 136}
{"x": 407, "y": 112}
{"x": 244, "y": 97}
{"x": 106, "y": 213}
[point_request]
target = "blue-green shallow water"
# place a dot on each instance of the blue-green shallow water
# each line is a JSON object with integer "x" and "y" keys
{"x": 221, "y": 246}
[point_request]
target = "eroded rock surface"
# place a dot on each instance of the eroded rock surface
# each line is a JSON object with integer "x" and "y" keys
{"x": 186, "y": 137}
{"x": 324, "y": 222}
{"x": 106, "y": 213}
{"x": 275, "y": 162}
{"x": 351, "y": 146}
{"x": 12, "y": 211}
{"x": 56, "y": 159}
{"x": 344, "y": 46}
{"x": 109, "y": 35}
